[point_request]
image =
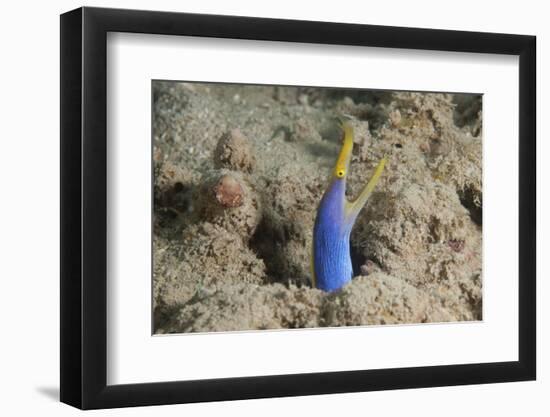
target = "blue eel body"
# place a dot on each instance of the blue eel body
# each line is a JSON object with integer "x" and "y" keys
{"x": 331, "y": 259}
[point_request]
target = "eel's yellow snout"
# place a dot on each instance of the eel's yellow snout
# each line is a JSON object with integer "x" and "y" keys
{"x": 344, "y": 158}
{"x": 342, "y": 167}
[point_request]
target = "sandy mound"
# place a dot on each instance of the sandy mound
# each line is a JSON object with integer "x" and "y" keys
{"x": 239, "y": 171}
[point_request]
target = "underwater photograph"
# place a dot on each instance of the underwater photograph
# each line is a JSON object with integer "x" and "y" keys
{"x": 287, "y": 207}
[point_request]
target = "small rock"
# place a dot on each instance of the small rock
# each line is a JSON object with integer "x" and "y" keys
{"x": 304, "y": 130}
{"x": 456, "y": 245}
{"x": 395, "y": 118}
{"x": 303, "y": 99}
{"x": 348, "y": 101}
{"x": 228, "y": 192}
{"x": 368, "y": 268}
{"x": 234, "y": 151}
{"x": 225, "y": 198}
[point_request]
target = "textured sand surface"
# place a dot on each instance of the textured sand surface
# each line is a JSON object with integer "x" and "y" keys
{"x": 239, "y": 171}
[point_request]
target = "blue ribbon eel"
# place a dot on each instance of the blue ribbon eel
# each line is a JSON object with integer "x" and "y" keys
{"x": 331, "y": 259}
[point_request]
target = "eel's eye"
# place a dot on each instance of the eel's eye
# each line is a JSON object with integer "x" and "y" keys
{"x": 340, "y": 173}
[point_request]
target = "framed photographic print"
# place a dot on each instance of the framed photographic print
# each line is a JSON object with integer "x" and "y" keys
{"x": 257, "y": 207}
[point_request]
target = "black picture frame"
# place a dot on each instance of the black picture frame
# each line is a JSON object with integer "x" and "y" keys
{"x": 84, "y": 207}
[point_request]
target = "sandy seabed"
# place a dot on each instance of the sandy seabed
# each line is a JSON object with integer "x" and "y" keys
{"x": 238, "y": 174}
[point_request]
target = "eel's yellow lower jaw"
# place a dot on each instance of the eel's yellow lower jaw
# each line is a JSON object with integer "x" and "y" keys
{"x": 354, "y": 207}
{"x": 344, "y": 158}
{"x": 375, "y": 177}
